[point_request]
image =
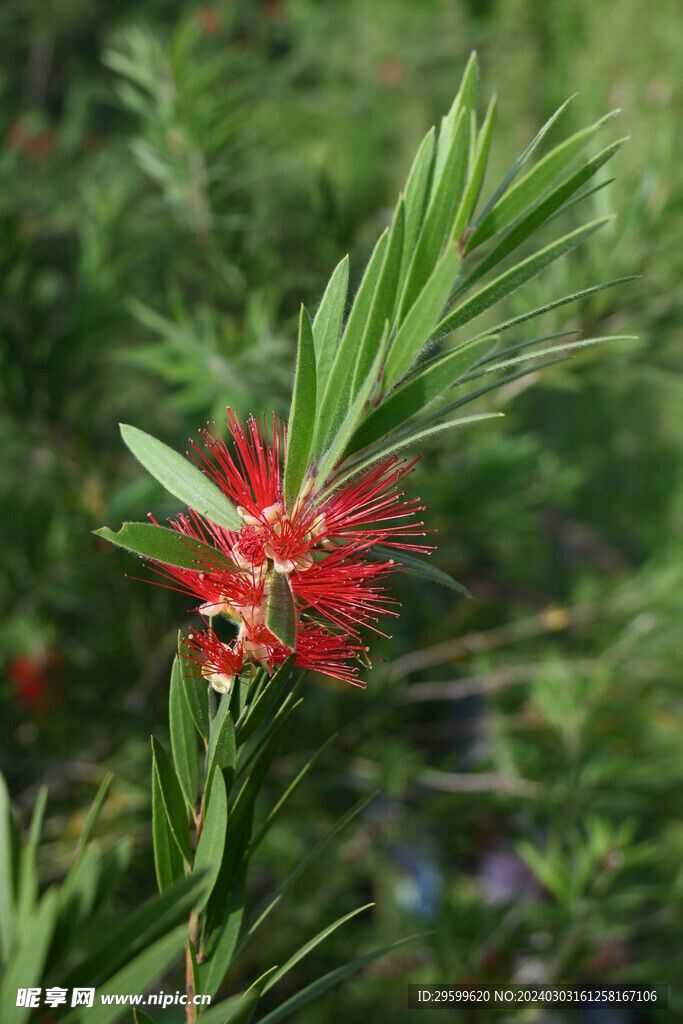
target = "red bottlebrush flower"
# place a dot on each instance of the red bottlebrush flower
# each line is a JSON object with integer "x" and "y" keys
{"x": 321, "y": 546}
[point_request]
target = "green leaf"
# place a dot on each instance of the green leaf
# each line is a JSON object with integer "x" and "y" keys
{"x": 288, "y": 793}
{"x": 94, "y": 813}
{"x": 319, "y": 847}
{"x": 7, "y": 869}
{"x": 28, "y": 874}
{"x": 220, "y": 941}
{"x": 196, "y": 691}
{"x": 222, "y": 750}
{"x": 335, "y": 400}
{"x": 136, "y": 976}
{"x": 137, "y": 931}
{"x": 181, "y": 478}
{"x": 476, "y": 177}
{"x": 327, "y": 324}
{"x": 420, "y": 322}
{"x": 301, "y": 413}
{"x": 422, "y": 387}
{"x": 539, "y": 214}
{"x": 336, "y": 449}
{"x": 140, "y": 1017}
{"x": 516, "y": 276}
{"x": 25, "y": 965}
{"x": 167, "y": 546}
{"x": 316, "y": 988}
{"x": 266, "y": 700}
{"x": 416, "y": 196}
{"x": 411, "y": 563}
{"x": 280, "y": 612}
{"x": 533, "y": 184}
{"x": 505, "y": 325}
{"x": 383, "y": 302}
{"x": 172, "y": 798}
{"x": 410, "y": 436}
{"x": 464, "y": 102}
{"x": 309, "y": 946}
{"x": 519, "y": 163}
{"x": 438, "y": 222}
{"x": 504, "y": 364}
{"x": 211, "y": 843}
{"x": 183, "y": 736}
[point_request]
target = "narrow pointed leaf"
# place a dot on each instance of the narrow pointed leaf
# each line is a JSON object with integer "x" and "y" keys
{"x": 416, "y": 196}
{"x": 319, "y": 847}
{"x": 504, "y": 364}
{"x": 475, "y": 180}
{"x": 137, "y": 976}
{"x": 505, "y": 325}
{"x": 316, "y": 988}
{"x": 464, "y": 102}
{"x": 266, "y": 701}
{"x": 219, "y": 943}
{"x": 163, "y": 545}
{"x": 281, "y": 613}
{"x": 309, "y": 946}
{"x": 411, "y": 563}
{"x": 302, "y": 412}
{"x": 335, "y": 401}
{"x": 195, "y": 689}
{"x": 7, "y": 867}
{"x": 383, "y": 301}
{"x": 539, "y": 214}
{"x": 222, "y": 751}
{"x": 181, "y": 478}
{"x": 411, "y": 436}
{"x": 516, "y": 276}
{"x": 138, "y": 930}
{"x": 417, "y": 392}
{"x": 528, "y": 189}
{"x": 419, "y": 325}
{"x": 183, "y": 736}
{"x": 168, "y": 862}
{"x": 172, "y": 798}
{"x": 28, "y": 874}
{"x": 286, "y": 796}
{"x": 346, "y": 429}
{"x": 24, "y": 968}
{"x": 519, "y": 163}
{"x": 94, "y": 812}
{"x": 438, "y": 222}
{"x": 211, "y": 843}
{"x": 327, "y": 324}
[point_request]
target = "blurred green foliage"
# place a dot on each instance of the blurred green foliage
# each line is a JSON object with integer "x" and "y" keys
{"x": 174, "y": 180}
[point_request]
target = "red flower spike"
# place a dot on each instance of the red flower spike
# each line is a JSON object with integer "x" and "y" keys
{"x": 322, "y": 548}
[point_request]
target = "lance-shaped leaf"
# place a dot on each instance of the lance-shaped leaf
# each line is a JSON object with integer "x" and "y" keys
{"x": 407, "y": 438}
{"x": 539, "y": 214}
{"x": 417, "y": 196}
{"x": 280, "y": 612}
{"x": 94, "y": 812}
{"x": 517, "y": 276}
{"x": 419, "y": 390}
{"x": 168, "y": 862}
{"x": 266, "y": 701}
{"x": 219, "y": 940}
{"x": 519, "y": 163}
{"x": 211, "y": 843}
{"x": 28, "y": 873}
{"x": 335, "y": 401}
{"x": 438, "y": 222}
{"x": 476, "y": 177}
{"x": 418, "y": 566}
{"x": 183, "y": 736}
{"x": 181, "y": 478}
{"x": 195, "y": 689}
{"x": 327, "y": 324}
{"x": 464, "y": 102}
{"x": 163, "y": 545}
{"x": 8, "y": 865}
{"x": 172, "y": 798}
{"x": 504, "y": 364}
{"x": 301, "y": 413}
{"x": 419, "y": 324}
{"x": 316, "y": 988}
{"x": 523, "y": 194}
{"x": 309, "y": 946}
{"x": 25, "y": 967}
{"x": 383, "y": 302}
{"x": 222, "y": 750}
